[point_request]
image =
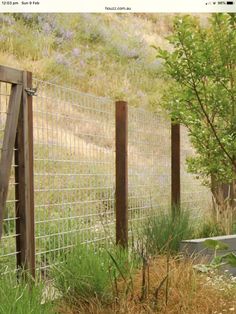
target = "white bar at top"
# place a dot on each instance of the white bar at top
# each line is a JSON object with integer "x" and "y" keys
{"x": 115, "y": 6}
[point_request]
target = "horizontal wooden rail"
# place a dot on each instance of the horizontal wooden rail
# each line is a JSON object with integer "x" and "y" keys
{"x": 9, "y": 75}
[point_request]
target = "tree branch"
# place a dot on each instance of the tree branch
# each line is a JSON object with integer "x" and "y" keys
{"x": 202, "y": 107}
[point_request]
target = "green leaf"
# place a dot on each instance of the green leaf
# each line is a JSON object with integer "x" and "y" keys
{"x": 217, "y": 260}
{"x": 230, "y": 258}
{"x": 215, "y": 244}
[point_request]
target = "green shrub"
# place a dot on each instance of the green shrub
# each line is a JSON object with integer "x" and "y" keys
{"x": 20, "y": 298}
{"x": 208, "y": 228}
{"x": 163, "y": 232}
{"x": 91, "y": 272}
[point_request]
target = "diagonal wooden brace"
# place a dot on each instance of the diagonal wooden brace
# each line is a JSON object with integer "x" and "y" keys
{"x": 8, "y": 146}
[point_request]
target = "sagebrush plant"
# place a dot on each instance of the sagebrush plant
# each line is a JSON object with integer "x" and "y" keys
{"x": 90, "y": 272}
{"x": 164, "y": 232}
{"x": 21, "y": 297}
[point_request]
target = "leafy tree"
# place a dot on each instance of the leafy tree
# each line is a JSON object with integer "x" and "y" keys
{"x": 202, "y": 97}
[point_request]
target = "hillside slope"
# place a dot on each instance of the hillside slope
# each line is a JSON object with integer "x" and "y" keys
{"x": 104, "y": 54}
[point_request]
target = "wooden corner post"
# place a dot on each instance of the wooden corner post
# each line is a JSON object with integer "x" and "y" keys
{"x": 175, "y": 168}
{"x": 122, "y": 173}
{"x": 25, "y": 242}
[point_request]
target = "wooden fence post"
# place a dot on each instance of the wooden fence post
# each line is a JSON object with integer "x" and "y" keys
{"x": 25, "y": 241}
{"x": 122, "y": 173}
{"x": 175, "y": 168}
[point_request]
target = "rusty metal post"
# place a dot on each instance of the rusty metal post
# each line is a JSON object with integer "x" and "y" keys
{"x": 25, "y": 241}
{"x": 175, "y": 168}
{"x": 122, "y": 173}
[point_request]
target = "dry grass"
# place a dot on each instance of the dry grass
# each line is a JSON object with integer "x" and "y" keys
{"x": 188, "y": 292}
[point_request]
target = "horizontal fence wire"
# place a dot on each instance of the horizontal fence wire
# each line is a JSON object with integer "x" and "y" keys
{"x": 149, "y": 168}
{"x": 8, "y": 251}
{"x": 74, "y": 170}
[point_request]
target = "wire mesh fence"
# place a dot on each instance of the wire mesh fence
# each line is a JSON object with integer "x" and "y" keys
{"x": 148, "y": 165}
{"x": 8, "y": 251}
{"x": 74, "y": 172}
{"x": 194, "y": 196}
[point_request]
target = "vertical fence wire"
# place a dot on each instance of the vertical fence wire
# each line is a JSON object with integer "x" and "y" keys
{"x": 74, "y": 166}
{"x": 8, "y": 241}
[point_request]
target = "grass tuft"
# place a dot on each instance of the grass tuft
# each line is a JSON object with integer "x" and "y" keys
{"x": 89, "y": 272}
{"x": 164, "y": 233}
{"x": 22, "y": 297}
{"x": 208, "y": 228}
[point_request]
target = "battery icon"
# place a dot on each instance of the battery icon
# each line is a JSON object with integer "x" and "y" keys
{"x": 225, "y": 2}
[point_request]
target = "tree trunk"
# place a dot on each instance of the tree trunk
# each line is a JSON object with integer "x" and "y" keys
{"x": 224, "y": 204}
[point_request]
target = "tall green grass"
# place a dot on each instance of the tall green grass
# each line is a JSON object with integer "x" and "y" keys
{"x": 165, "y": 232}
{"x": 21, "y": 297}
{"x": 89, "y": 272}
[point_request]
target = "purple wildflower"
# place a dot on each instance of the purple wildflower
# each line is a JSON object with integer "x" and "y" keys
{"x": 75, "y": 52}
{"x": 65, "y": 34}
{"x": 60, "y": 59}
{"x": 47, "y": 29}
{"x": 9, "y": 20}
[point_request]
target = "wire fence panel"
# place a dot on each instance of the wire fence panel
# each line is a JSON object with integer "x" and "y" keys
{"x": 194, "y": 196}
{"x": 148, "y": 165}
{"x": 8, "y": 242}
{"x": 74, "y": 167}
{"x": 74, "y": 172}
